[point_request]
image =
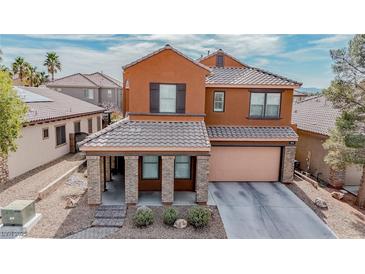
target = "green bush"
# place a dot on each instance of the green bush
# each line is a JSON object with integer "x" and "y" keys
{"x": 143, "y": 217}
{"x": 199, "y": 216}
{"x": 170, "y": 216}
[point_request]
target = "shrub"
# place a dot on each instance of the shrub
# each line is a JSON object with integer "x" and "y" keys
{"x": 170, "y": 216}
{"x": 199, "y": 216}
{"x": 143, "y": 217}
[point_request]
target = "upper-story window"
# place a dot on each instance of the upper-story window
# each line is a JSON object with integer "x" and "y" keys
{"x": 265, "y": 105}
{"x": 89, "y": 94}
{"x": 218, "y": 105}
{"x": 109, "y": 93}
{"x": 167, "y": 98}
{"x": 219, "y": 60}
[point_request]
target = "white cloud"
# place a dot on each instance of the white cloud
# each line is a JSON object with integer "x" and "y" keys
{"x": 331, "y": 40}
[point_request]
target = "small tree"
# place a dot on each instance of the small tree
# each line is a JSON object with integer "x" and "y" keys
{"x": 13, "y": 111}
{"x": 346, "y": 144}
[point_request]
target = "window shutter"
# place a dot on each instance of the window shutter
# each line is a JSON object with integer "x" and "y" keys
{"x": 180, "y": 98}
{"x": 154, "y": 98}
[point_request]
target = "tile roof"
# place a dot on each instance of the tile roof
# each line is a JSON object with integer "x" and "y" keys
{"x": 93, "y": 80}
{"x": 150, "y": 134}
{"x": 220, "y": 51}
{"x": 242, "y": 132}
{"x": 59, "y": 105}
{"x": 166, "y": 47}
{"x": 247, "y": 76}
{"x": 315, "y": 114}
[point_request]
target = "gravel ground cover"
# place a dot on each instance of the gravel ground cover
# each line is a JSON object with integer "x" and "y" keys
{"x": 342, "y": 216}
{"x": 58, "y": 221}
{"x": 28, "y": 185}
{"x": 158, "y": 230}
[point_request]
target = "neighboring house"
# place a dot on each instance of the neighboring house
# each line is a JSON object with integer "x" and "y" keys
{"x": 96, "y": 88}
{"x": 315, "y": 117}
{"x": 51, "y": 117}
{"x": 190, "y": 122}
{"x": 299, "y": 96}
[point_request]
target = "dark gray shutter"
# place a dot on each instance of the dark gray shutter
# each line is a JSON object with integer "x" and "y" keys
{"x": 180, "y": 98}
{"x": 154, "y": 98}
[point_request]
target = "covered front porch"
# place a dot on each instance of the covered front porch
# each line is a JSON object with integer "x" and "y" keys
{"x": 154, "y": 163}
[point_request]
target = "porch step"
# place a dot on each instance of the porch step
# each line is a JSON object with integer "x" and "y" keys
{"x": 112, "y": 213}
{"x": 108, "y": 222}
{"x": 109, "y": 207}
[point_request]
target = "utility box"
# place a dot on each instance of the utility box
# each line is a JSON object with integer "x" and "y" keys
{"x": 18, "y": 212}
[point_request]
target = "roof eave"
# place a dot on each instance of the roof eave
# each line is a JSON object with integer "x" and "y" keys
{"x": 251, "y": 86}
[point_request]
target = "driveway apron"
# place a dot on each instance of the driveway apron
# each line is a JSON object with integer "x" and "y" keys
{"x": 265, "y": 210}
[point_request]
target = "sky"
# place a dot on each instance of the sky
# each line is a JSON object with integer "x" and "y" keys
{"x": 304, "y": 58}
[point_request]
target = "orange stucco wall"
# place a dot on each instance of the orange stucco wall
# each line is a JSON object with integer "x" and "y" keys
{"x": 237, "y": 102}
{"x": 165, "y": 67}
{"x": 228, "y": 62}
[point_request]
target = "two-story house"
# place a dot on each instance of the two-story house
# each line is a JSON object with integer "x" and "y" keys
{"x": 189, "y": 122}
{"x": 95, "y": 88}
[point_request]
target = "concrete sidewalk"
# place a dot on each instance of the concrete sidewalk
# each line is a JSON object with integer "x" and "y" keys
{"x": 265, "y": 210}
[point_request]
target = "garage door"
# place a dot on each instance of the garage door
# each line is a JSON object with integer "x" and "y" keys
{"x": 251, "y": 164}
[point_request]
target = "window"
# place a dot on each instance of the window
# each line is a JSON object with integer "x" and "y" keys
{"x": 77, "y": 127}
{"x": 182, "y": 167}
{"x": 218, "y": 101}
{"x": 98, "y": 123}
{"x": 109, "y": 92}
{"x": 220, "y": 60}
{"x": 45, "y": 133}
{"x": 167, "y": 98}
{"x": 265, "y": 105}
{"x": 60, "y": 135}
{"x": 150, "y": 167}
{"x": 90, "y": 125}
{"x": 89, "y": 94}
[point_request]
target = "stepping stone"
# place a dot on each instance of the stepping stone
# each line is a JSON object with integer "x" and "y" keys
{"x": 93, "y": 233}
{"x": 107, "y": 222}
{"x": 110, "y": 214}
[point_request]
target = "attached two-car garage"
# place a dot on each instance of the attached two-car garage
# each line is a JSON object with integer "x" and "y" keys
{"x": 248, "y": 164}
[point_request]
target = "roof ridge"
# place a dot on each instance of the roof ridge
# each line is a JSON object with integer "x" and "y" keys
{"x": 84, "y": 75}
{"x": 309, "y": 98}
{"x": 107, "y": 77}
{"x": 103, "y": 131}
{"x": 167, "y": 46}
{"x": 274, "y": 74}
{"x": 78, "y": 73}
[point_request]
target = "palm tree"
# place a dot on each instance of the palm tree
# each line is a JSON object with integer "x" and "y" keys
{"x": 19, "y": 67}
{"x": 52, "y": 63}
{"x": 31, "y": 75}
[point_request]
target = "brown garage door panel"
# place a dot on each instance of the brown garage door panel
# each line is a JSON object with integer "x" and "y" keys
{"x": 251, "y": 164}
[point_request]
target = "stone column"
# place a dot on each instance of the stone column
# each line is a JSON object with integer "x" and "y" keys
{"x": 131, "y": 180}
{"x": 287, "y": 171}
{"x": 102, "y": 173}
{"x": 201, "y": 182}
{"x": 93, "y": 180}
{"x": 72, "y": 143}
{"x": 337, "y": 178}
{"x": 168, "y": 176}
{"x": 4, "y": 170}
{"x": 112, "y": 162}
{"x": 108, "y": 174}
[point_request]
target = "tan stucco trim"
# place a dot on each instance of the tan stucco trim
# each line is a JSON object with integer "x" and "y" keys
{"x": 86, "y": 149}
{"x": 253, "y": 139}
{"x": 253, "y": 86}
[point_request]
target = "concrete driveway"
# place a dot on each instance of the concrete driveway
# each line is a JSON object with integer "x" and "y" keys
{"x": 265, "y": 210}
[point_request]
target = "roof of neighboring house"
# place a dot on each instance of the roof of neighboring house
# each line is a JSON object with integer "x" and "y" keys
{"x": 242, "y": 132}
{"x": 150, "y": 135}
{"x": 247, "y": 76}
{"x": 223, "y": 52}
{"x": 93, "y": 80}
{"x": 45, "y": 104}
{"x": 315, "y": 114}
{"x": 166, "y": 47}
{"x": 300, "y": 94}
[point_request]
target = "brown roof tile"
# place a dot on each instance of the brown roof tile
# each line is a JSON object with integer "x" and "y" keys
{"x": 126, "y": 133}
{"x": 247, "y": 76}
{"x": 241, "y": 132}
{"x": 315, "y": 114}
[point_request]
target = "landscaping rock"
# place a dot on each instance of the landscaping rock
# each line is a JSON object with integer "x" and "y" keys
{"x": 337, "y": 195}
{"x": 180, "y": 223}
{"x": 70, "y": 202}
{"x": 320, "y": 203}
